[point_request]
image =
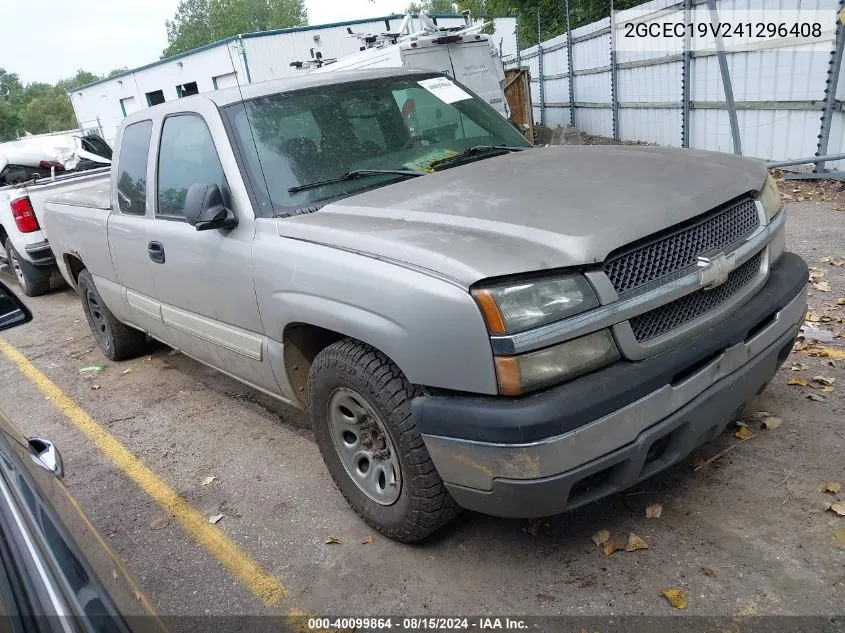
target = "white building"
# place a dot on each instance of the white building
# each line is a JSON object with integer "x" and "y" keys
{"x": 241, "y": 59}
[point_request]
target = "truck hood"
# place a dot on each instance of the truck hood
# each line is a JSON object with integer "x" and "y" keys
{"x": 534, "y": 210}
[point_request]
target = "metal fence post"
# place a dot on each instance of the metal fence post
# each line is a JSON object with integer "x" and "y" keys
{"x": 570, "y": 76}
{"x": 831, "y": 84}
{"x": 614, "y": 89}
{"x": 686, "y": 61}
{"x": 726, "y": 79}
{"x": 541, "y": 80}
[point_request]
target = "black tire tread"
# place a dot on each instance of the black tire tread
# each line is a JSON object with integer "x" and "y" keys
{"x": 37, "y": 279}
{"x": 127, "y": 342}
{"x": 432, "y": 506}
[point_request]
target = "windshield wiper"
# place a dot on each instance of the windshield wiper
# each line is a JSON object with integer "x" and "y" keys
{"x": 357, "y": 173}
{"x": 472, "y": 151}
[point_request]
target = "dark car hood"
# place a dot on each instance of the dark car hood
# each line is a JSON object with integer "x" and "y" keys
{"x": 533, "y": 210}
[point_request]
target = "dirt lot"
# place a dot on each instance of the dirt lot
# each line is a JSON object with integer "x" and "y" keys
{"x": 754, "y": 517}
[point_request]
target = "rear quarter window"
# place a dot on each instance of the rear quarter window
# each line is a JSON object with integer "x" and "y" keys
{"x": 132, "y": 168}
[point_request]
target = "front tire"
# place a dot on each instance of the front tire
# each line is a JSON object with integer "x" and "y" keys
{"x": 360, "y": 410}
{"x": 33, "y": 280}
{"x": 116, "y": 340}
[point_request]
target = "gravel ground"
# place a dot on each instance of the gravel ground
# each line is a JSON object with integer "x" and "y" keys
{"x": 754, "y": 517}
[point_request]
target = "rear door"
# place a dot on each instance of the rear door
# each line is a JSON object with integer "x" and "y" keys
{"x": 128, "y": 231}
{"x": 203, "y": 279}
{"x": 476, "y": 67}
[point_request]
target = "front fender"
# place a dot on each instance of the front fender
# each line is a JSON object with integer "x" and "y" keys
{"x": 429, "y": 327}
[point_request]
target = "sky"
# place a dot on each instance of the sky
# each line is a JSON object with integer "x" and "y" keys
{"x": 52, "y": 39}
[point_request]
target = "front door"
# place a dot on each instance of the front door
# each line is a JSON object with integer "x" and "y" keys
{"x": 203, "y": 279}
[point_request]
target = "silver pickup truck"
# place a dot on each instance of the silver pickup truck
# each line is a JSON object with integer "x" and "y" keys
{"x": 470, "y": 322}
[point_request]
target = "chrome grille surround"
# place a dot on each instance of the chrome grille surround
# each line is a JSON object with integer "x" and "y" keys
{"x": 668, "y": 255}
{"x": 669, "y": 316}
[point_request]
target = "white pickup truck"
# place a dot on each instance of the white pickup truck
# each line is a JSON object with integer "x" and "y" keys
{"x": 23, "y": 242}
{"x": 469, "y": 321}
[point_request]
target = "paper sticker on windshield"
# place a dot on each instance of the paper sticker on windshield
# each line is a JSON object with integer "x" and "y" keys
{"x": 424, "y": 163}
{"x": 444, "y": 89}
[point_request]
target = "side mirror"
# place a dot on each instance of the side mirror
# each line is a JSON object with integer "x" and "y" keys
{"x": 13, "y": 312}
{"x": 204, "y": 208}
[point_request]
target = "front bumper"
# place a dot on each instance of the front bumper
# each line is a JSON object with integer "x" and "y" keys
{"x": 692, "y": 393}
{"x": 40, "y": 253}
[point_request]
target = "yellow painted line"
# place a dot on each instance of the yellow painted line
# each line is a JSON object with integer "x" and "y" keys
{"x": 265, "y": 587}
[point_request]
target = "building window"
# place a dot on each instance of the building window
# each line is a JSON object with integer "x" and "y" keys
{"x": 155, "y": 97}
{"x": 188, "y": 89}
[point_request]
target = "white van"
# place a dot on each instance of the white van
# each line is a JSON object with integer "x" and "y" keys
{"x": 467, "y": 56}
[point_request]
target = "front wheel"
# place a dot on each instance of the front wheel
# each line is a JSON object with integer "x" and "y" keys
{"x": 33, "y": 280}
{"x": 360, "y": 410}
{"x": 116, "y": 340}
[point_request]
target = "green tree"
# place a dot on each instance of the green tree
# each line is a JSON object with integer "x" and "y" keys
{"x": 200, "y": 22}
{"x": 432, "y": 7}
{"x": 81, "y": 78}
{"x": 117, "y": 71}
{"x": 11, "y": 125}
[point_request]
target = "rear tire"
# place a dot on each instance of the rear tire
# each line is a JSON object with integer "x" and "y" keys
{"x": 116, "y": 340}
{"x": 33, "y": 280}
{"x": 360, "y": 410}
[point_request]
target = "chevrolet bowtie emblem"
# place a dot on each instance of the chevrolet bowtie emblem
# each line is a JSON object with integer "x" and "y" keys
{"x": 715, "y": 270}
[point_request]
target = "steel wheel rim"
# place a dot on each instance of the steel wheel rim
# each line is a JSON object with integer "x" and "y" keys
{"x": 364, "y": 447}
{"x": 98, "y": 319}
{"x": 16, "y": 266}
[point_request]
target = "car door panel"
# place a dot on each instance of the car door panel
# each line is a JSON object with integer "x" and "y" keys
{"x": 205, "y": 282}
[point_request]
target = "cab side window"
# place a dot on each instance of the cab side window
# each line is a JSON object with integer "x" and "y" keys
{"x": 186, "y": 156}
{"x": 132, "y": 168}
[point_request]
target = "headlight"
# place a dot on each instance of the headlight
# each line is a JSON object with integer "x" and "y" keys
{"x": 771, "y": 200}
{"x": 517, "y": 375}
{"x": 515, "y": 306}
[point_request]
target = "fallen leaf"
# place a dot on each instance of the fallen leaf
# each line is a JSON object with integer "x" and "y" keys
{"x": 797, "y": 381}
{"x": 831, "y": 486}
{"x": 708, "y": 572}
{"x": 95, "y": 387}
{"x": 546, "y": 597}
{"x": 826, "y": 352}
{"x": 816, "y": 273}
{"x": 837, "y": 262}
{"x": 208, "y": 480}
{"x": 792, "y": 429}
{"x": 771, "y": 423}
{"x": 127, "y": 371}
{"x": 635, "y": 543}
{"x": 601, "y": 537}
{"x": 815, "y": 397}
{"x": 215, "y": 518}
{"x": 744, "y": 433}
{"x": 839, "y": 535}
{"x": 823, "y": 286}
{"x": 676, "y": 598}
{"x": 824, "y": 380}
{"x": 759, "y": 415}
{"x": 798, "y": 367}
{"x": 148, "y": 359}
{"x": 332, "y": 540}
{"x": 827, "y": 389}
{"x": 812, "y": 317}
{"x": 840, "y": 301}
{"x": 612, "y": 546}
{"x": 160, "y": 522}
{"x": 367, "y": 539}
{"x": 93, "y": 368}
{"x": 654, "y": 511}
{"x": 826, "y": 260}
{"x": 838, "y": 508}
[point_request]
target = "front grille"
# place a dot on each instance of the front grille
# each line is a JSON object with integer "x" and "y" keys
{"x": 672, "y": 253}
{"x": 667, "y": 317}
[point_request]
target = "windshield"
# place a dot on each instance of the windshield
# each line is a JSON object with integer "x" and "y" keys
{"x": 308, "y": 136}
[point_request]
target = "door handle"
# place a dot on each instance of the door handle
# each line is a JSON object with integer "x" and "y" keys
{"x": 46, "y": 455}
{"x": 156, "y": 252}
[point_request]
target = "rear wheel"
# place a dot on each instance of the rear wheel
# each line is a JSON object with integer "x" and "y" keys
{"x": 360, "y": 409}
{"x": 116, "y": 340}
{"x": 33, "y": 280}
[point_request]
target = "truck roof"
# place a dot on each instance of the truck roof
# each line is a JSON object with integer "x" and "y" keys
{"x": 228, "y": 96}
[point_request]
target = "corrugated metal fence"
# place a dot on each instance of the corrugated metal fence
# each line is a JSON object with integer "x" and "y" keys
{"x": 779, "y": 86}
